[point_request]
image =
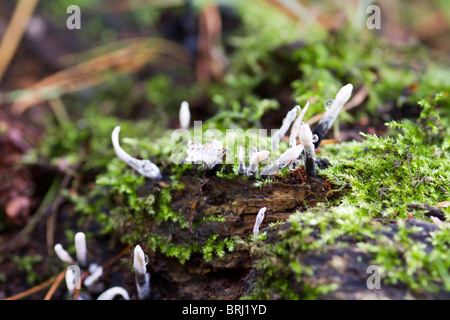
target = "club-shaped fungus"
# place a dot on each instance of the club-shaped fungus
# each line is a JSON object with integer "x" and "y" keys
{"x": 144, "y": 167}
{"x": 331, "y": 114}
{"x": 62, "y": 254}
{"x": 185, "y": 115}
{"x": 142, "y": 277}
{"x": 80, "y": 248}
{"x": 259, "y": 220}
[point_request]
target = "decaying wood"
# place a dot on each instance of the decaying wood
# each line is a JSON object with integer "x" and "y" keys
{"x": 238, "y": 202}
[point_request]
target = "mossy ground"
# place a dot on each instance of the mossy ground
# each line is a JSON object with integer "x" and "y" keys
{"x": 380, "y": 176}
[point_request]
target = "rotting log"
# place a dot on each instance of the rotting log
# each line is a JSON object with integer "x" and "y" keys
{"x": 236, "y": 201}
{"x": 345, "y": 265}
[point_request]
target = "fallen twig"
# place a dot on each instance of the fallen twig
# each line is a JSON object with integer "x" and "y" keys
{"x": 11, "y": 39}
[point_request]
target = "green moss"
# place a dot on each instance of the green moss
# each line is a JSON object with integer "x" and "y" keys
{"x": 385, "y": 175}
{"x": 382, "y": 175}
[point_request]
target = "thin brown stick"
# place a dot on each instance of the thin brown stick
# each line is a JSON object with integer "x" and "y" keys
{"x": 76, "y": 292}
{"x": 35, "y": 289}
{"x": 118, "y": 256}
{"x": 51, "y": 219}
{"x": 22, "y": 13}
{"x": 55, "y": 285}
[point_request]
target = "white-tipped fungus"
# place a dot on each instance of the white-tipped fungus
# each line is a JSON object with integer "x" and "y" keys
{"x": 73, "y": 276}
{"x": 144, "y": 167}
{"x": 296, "y": 127}
{"x": 80, "y": 248}
{"x": 259, "y": 220}
{"x": 185, "y": 115}
{"x": 306, "y": 139}
{"x": 287, "y": 121}
{"x": 93, "y": 277}
{"x": 331, "y": 114}
{"x": 139, "y": 260}
{"x": 111, "y": 293}
{"x": 62, "y": 254}
{"x": 289, "y": 156}
{"x": 142, "y": 277}
{"x": 210, "y": 153}
{"x": 255, "y": 159}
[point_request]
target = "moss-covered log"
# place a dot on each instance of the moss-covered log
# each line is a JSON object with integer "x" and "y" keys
{"x": 207, "y": 246}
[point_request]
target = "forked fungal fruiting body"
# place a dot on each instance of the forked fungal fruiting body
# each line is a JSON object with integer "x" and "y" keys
{"x": 144, "y": 167}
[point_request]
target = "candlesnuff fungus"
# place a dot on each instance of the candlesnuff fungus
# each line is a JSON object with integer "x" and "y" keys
{"x": 144, "y": 167}
{"x": 72, "y": 280}
{"x": 296, "y": 127}
{"x": 255, "y": 159}
{"x": 96, "y": 273}
{"x": 80, "y": 247}
{"x": 331, "y": 114}
{"x": 210, "y": 153}
{"x": 62, "y": 254}
{"x": 112, "y": 292}
{"x": 306, "y": 139}
{"x": 259, "y": 220}
{"x": 142, "y": 277}
{"x": 289, "y": 156}
{"x": 185, "y": 115}
{"x": 287, "y": 121}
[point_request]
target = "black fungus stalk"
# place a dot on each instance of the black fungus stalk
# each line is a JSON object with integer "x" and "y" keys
{"x": 306, "y": 138}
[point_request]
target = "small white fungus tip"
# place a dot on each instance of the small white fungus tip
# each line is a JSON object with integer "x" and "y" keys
{"x": 80, "y": 247}
{"x": 139, "y": 260}
{"x": 306, "y": 136}
{"x": 62, "y": 254}
{"x": 185, "y": 115}
{"x": 344, "y": 93}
